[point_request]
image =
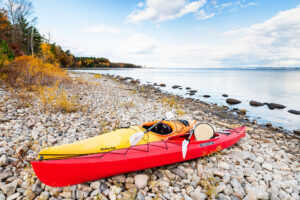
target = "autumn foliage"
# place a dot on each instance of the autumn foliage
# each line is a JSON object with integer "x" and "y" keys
{"x": 3, "y": 23}
{"x": 28, "y": 71}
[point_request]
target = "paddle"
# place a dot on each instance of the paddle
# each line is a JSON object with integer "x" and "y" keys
{"x": 135, "y": 138}
{"x": 186, "y": 142}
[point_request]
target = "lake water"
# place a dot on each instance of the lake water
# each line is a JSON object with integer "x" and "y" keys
{"x": 276, "y": 86}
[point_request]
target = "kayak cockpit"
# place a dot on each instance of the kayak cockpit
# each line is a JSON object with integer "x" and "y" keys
{"x": 166, "y": 128}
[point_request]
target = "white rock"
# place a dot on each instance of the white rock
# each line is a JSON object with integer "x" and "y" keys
{"x": 237, "y": 187}
{"x": 256, "y": 191}
{"x": 167, "y": 195}
{"x": 96, "y": 192}
{"x": 186, "y": 197}
{"x": 72, "y": 131}
{"x": 189, "y": 171}
{"x": 10, "y": 188}
{"x": 82, "y": 194}
{"x": 35, "y": 134}
{"x": 226, "y": 178}
{"x": 267, "y": 166}
{"x": 2, "y": 196}
{"x": 67, "y": 195}
{"x": 224, "y": 165}
{"x": 112, "y": 195}
{"x": 283, "y": 195}
{"x": 120, "y": 178}
{"x": 13, "y": 196}
{"x": 219, "y": 173}
{"x": 228, "y": 190}
{"x": 3, "y": 160}
{"x": 289, "y": 183}
{"x": 250, "y": 197}
{"x": 170, "y": 175}
{"x": 95, "y": 185}
{"x": 198, "y": 195}
{"x": 189, "y": 190}
{"x": 220, "y": 188}
{"x": 141, "y": 180}
{"x": 259, "y": 159}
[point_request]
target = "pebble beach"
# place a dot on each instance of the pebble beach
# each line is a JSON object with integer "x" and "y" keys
{"x": 263, "y": 165}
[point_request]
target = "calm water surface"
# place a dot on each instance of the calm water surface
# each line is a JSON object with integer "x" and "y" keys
{"x": 277, "y": 86}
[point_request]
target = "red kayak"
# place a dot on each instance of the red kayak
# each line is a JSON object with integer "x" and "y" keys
{"x": 58, "y": 173}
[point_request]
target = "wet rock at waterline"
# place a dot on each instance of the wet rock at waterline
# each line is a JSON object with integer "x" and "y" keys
{"x": 268, "y": 124}
{"x": 296, "y": 112}
{"x": 256, "y": 103}
{"x": 272, "y": 106}
{"x": 137, "y": 81}
{"x": 296, "y": 132}
{"x": 232, "y": 101}
{"x": 206, "y": 96}
{"x": 225, "y": 95}
{"x": 187, "y": 88}
{"x": 124, "y": 78}
{"x": 192, "y": 92}
{"x": 175, "y": 86}
{"x": 162, "y": 85}
{"x": 242, "y": 112}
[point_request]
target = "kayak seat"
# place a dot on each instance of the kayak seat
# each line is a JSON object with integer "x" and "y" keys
{"x": 185, "y": 122}
{"x": 204, "y": 132}
{"x": 161, "y": 129}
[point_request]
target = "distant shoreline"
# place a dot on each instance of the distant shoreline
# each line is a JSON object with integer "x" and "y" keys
{"x": 104, "y": 68}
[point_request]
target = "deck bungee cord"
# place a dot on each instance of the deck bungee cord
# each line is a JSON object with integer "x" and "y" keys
{"x": 63, "y": 156}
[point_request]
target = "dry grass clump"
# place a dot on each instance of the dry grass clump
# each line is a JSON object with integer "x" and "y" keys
{"x": 168, "y": 101}
{"x": 98, "y": 76}
{"x": 24, "y": 98}
{"x": 28, "y": 71}
{"x": 56, "y": 99}
{"x": 209, "y": 184}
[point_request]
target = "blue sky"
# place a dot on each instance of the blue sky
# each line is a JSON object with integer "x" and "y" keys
{"x": 177, "y": 33}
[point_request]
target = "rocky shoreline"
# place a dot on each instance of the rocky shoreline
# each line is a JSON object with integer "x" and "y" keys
{"x": 263, "y": 165}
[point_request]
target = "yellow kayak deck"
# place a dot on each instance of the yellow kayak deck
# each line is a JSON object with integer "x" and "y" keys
{"x": 117, "y": 139}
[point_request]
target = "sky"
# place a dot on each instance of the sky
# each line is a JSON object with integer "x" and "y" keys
{"x": 177, "y": 33}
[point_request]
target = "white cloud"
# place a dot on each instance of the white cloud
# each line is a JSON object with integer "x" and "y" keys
{"x": 163, "y": 10}
{"x": 138, "y": 44}
{"x": 202, "y": 15}
{"x": 224, "y": 5}
{"x": 275, "y": 42}
{"x": 103, "y": 29}
{"x": 141, "y": 4}
{"x": 252, "y": 4}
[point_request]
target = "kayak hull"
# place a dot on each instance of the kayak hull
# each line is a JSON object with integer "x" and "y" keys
{"x": 117, "y": 139}
{"x": 58, "y": 173}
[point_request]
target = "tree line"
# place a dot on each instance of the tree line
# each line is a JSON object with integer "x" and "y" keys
{"x": 92, "y": 62}
{"x": 19, "y": 36}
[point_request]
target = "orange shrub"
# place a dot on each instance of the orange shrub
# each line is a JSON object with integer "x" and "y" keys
{"x": 28, "y": 71}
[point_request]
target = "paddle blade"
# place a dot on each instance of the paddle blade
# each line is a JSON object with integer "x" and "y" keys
{"x": 169, "y": 115}
{"x": 135, "y": 138}
{"x": 184, "y": 148}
